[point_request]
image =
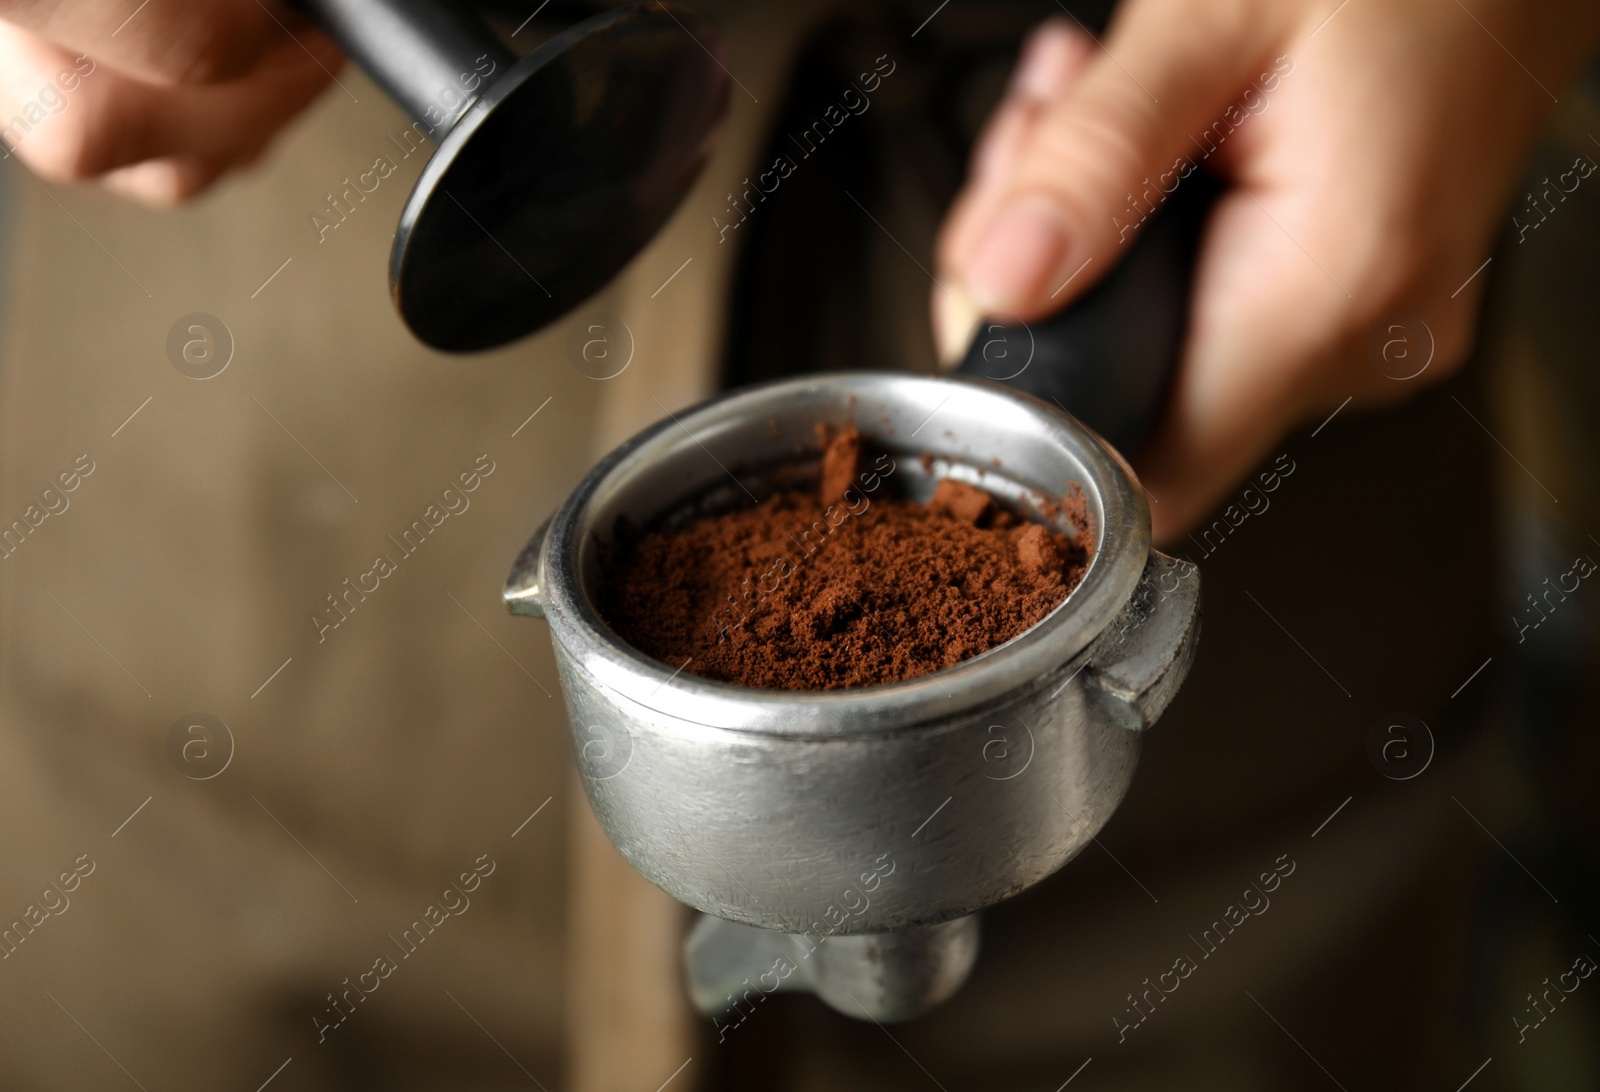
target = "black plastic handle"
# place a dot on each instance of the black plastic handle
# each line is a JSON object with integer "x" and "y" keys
{"x": 1109, "y": 358}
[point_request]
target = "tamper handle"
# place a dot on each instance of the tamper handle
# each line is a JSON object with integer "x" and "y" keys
{"x": 432, "y": 59}
{"x": 1108, "y": 358}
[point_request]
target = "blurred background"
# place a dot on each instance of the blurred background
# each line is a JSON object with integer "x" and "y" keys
{"x": 228, "y": 887}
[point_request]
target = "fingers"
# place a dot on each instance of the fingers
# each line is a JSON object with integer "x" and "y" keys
{"x": 156, "y": 143}
{"x": 162, "y": 41}
{"x": 1094, "y": 159}
{"x": 163, "y": 183}
{"x": 1053, "y": 58}
{"x": 1276, "y": 340}
{"x": 1260, "y": 326}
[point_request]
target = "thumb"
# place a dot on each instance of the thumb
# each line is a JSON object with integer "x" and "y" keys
{"x": 1102, "y": 157}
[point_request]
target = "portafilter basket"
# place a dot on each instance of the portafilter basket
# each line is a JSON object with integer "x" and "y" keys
{"x": 842, "y": 840}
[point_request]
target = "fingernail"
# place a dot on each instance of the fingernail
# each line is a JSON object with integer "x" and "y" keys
{"x": 1021, "y": 252}
{"x": 1047, "y": 62}
{"x": 955, "y": 320}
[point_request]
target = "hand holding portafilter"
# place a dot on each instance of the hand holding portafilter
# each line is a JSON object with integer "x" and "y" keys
{"x": 1109, "y": 357}
{"x": 552, "y": 172}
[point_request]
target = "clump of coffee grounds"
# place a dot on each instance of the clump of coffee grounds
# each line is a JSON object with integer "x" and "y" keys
{"x": 851, "y": 586}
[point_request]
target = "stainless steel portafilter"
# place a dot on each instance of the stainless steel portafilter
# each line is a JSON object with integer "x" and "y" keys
{"x": 843, "y": 841}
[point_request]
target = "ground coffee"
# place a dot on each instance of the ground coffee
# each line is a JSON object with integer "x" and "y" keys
{"x": 851, "y": 586}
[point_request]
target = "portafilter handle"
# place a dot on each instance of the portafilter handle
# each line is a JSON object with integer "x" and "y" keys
{"x": 1108, "y": 359}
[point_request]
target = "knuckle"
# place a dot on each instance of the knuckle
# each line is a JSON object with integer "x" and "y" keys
{"x": 66, "y": 153}
{"x": 1392, "y": 266}
{"x": 90, "y": 142}
{"x": 1403, "y": 321}
{"x": 1392, "y": 325}
{"x": 1091, "y": 157}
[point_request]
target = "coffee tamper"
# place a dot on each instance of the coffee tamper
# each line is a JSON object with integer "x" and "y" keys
{"x": 551, "y": 172}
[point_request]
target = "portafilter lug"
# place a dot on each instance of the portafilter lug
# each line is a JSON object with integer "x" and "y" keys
{"x": 521, "y": 592}
{"x": 1135, "y": 667}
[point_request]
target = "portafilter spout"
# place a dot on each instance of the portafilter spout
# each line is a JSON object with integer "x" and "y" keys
{"x": 551, "y": 172}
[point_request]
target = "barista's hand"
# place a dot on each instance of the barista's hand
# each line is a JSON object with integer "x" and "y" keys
{"x": 1371, "y": 159}
{"x": 156, "y": 101}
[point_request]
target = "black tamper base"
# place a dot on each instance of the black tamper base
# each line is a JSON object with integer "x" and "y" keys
{"x": 557, "y": 176}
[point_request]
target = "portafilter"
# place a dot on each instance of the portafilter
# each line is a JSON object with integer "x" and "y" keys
{"x": 842, "y": 841}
